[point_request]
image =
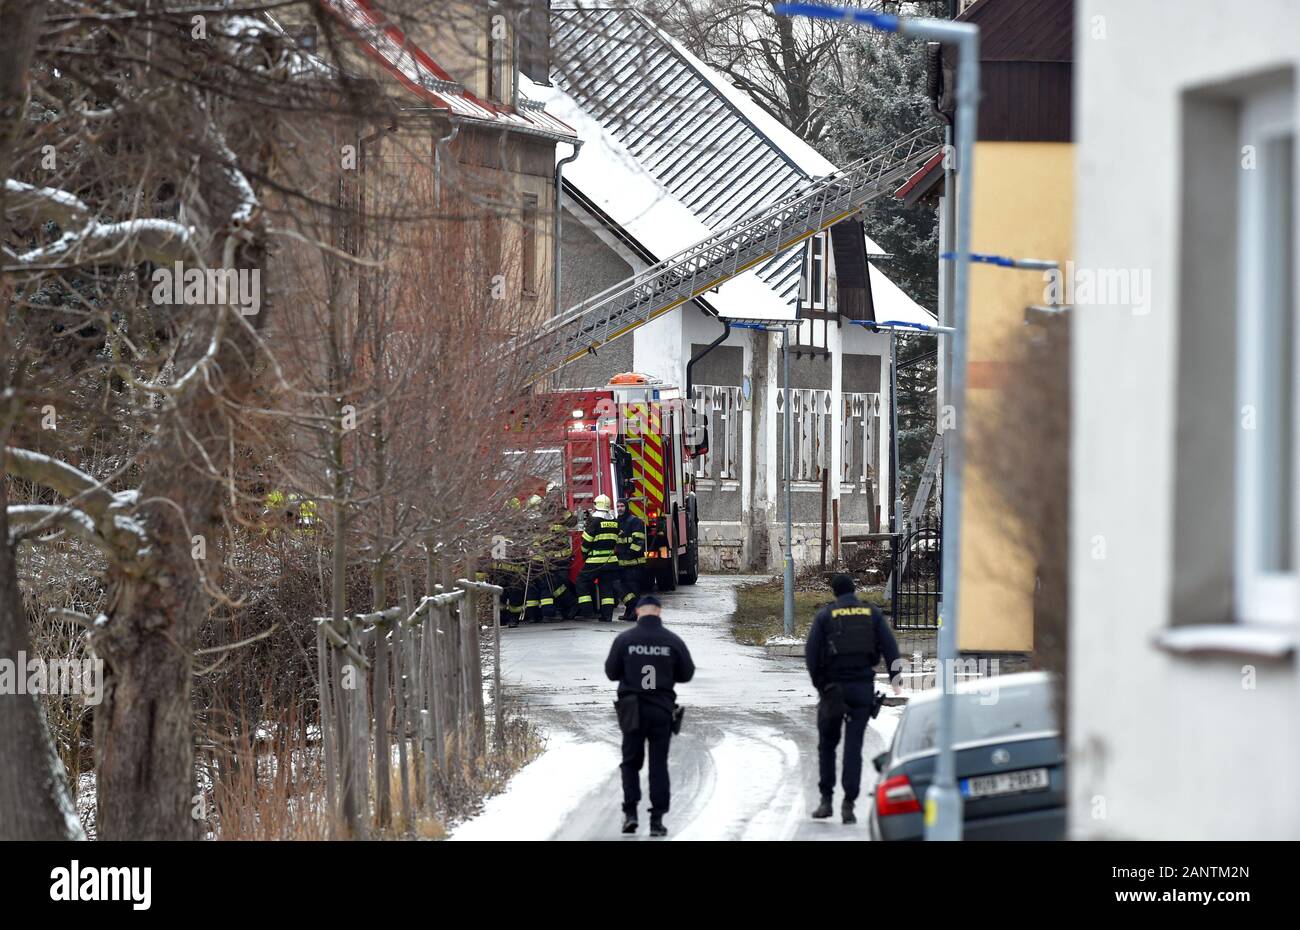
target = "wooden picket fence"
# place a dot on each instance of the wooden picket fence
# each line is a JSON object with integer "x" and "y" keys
{"x": 407, "y": 679}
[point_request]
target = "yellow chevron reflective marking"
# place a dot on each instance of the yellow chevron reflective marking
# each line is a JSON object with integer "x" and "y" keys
{"x": 637, "y": 508}
{"x": 654, "y": 455}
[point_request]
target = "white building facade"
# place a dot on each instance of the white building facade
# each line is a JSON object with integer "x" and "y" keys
{"x": 671, "y": 154}
{"x": 1184, "y": 693}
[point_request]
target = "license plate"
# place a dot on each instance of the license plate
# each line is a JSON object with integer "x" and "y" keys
{"x": 986, "y": 786}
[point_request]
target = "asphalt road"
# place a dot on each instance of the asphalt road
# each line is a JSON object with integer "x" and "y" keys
{"x": 744, "y": 766}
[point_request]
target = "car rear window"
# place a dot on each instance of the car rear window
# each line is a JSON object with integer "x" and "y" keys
{"x": 1007, "y": 711}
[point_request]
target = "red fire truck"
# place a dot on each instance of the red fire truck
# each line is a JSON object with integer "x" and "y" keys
{"x": 629, "y": 440}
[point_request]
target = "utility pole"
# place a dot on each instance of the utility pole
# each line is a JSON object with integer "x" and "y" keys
{"x": 787, "y": 455}
{"x": 943, "y": 802}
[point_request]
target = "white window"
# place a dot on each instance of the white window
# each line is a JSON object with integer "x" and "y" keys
{"x": 813, "y": 290}
{"x": 500, "y": 58}
{"x": 530, "y": 253}
{"x": 1266, "y": 455}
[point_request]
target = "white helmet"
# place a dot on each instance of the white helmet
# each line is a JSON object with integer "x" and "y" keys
{"x": 602, "y": 502}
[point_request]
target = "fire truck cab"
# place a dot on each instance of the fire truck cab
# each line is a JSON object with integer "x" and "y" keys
{"x": 628, "y": 440}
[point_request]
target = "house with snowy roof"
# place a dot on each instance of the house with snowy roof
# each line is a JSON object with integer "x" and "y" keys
{"x": 465, "y": 147}
{"x": 671, "y": 153}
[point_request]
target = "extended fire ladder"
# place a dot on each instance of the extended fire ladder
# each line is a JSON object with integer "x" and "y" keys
{"x": 753, "y": 239}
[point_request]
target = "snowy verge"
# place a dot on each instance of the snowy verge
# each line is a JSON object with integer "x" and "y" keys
{"x": 537, "y": 801}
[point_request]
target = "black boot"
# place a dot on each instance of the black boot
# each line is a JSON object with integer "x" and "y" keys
{"x": 629, "y": 820}
{"x": 846, "y": 812}
{"x": 657, "y": 827}
{"x": 824, "y": 809}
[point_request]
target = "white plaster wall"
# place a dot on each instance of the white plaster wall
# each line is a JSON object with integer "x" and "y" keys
{"x": 1161, "y": 746}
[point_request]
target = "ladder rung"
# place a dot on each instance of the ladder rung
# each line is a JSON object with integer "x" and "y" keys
{"x": 755, "y": 238}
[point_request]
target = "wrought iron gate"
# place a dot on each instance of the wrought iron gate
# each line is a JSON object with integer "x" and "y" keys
{"x": 917, "y": 561}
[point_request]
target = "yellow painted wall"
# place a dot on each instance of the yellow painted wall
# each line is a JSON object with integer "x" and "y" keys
{"x": 1024, "y": 207}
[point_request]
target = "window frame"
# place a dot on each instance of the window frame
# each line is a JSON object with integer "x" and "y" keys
{"x": 530, "y": 213}
{"x": 500, "y": 59}
{"x": 814, "y": 282}
{"x": 1265, "y": 595}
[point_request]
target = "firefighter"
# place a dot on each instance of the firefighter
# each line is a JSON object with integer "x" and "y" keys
{"x": 557, "y": 544}
{"x": 845, "y": 642}
{"x": 631, "y": 559}
{"x": 511, "y": 575}
{"x": 537, "y": 592}
{"x": 599, "y": 561}
{"x": 510, "y": 571}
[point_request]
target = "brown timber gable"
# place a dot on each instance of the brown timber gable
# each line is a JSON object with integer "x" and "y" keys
{"x": 1026, "y": 69}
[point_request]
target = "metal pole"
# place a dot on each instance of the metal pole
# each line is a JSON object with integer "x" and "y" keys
{"x": 787, "y": 455}
{"x": 943, "y": 803}
{"x": 895, "y": 500}
{"x": 947, "y": 220}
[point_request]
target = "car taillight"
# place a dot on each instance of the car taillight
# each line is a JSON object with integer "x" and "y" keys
{"x": 895, "y": 796}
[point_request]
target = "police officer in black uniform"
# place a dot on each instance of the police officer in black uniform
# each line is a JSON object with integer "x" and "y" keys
{"x": 647, "y": 661}
{"x": 846, "y": 641}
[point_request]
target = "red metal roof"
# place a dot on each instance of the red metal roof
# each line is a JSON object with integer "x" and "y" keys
{"x": 920, "y": 175}
{"x": 382, "y": 41}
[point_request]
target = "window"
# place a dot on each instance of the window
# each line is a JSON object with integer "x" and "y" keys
{"x": 500, "y": 59}
{"x": 529, "y": 258}
{"x": 812, "y": 292}
{"x": 1234, "y": 532}
{"x": 1266, "y": 588}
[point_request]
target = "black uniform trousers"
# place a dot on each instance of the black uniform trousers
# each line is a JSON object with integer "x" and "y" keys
{"x": 606, "y": 576}
{"x": 656, "y": 729}
{"x": 563, "y": 600}
{"x": 858, "y": 698}
{"x": 629, "y": 586}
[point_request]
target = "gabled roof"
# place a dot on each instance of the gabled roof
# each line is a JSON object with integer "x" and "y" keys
{"x": 401, "y": 57}
{"x": 609, "y": 176}
{"x": 680, "y": 152}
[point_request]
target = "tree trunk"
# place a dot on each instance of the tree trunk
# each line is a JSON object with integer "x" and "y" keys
{"x": 379, "y": 680}
{"x": 144, "y": 747}
{"x": 34, "y": 801}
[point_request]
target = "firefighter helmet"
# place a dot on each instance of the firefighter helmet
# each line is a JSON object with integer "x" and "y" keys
{"x": 602, "y": 502}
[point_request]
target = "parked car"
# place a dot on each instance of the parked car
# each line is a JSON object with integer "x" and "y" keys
{"x": 1010, "y": 762}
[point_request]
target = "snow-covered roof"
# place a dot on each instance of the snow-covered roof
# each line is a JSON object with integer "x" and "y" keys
{"x": 611, "y": 178}
{"x": 706, "y": 147}
{"x": 401, "y": 57}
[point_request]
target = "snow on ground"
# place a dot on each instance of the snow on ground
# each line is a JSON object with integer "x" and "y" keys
{"x": 543, "y": 793}
{"x": 744, "y": 766}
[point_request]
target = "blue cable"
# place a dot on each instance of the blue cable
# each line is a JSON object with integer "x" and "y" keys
{"x": 982, "y": 258}
{"x": 885, "y": 22}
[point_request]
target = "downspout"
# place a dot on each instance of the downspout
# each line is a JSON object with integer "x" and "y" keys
{"x": 559, "y": 214}
{"x": 726, "y": 331}
{"x": 438, "y": 143}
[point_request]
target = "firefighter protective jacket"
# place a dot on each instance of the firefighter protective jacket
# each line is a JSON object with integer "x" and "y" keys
{"x": 600, "y": 538}
{"x": 557, "y": 547}
{"x": 631, "y": 542}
